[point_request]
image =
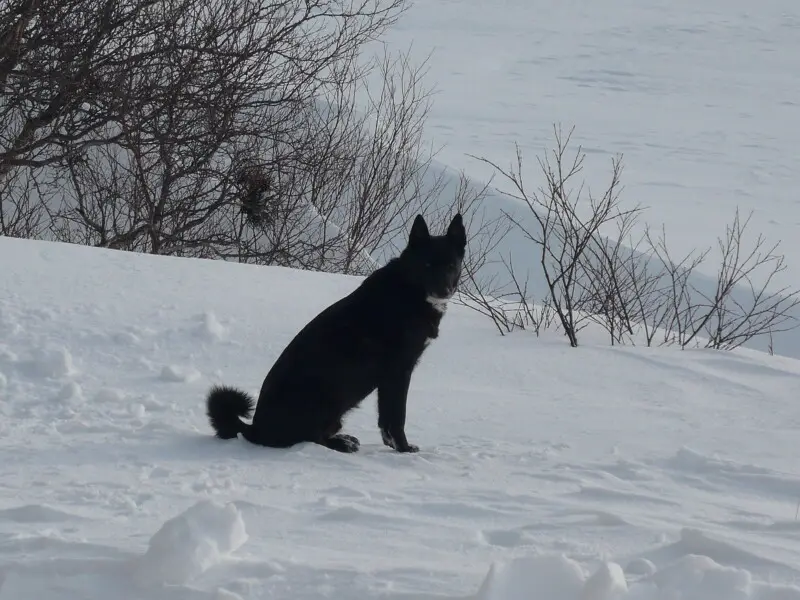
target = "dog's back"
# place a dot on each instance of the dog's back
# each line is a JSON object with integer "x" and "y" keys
{"x": 371, "y": 339}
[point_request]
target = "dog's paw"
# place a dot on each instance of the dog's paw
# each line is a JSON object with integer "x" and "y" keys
{"x": 404, "y": 446}
{"x": 341, "y": 442}
{"x": 387, "y": 438}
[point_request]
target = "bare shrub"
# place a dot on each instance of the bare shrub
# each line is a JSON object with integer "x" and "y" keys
{"x": 689, "y": 308}
{"x": 207, "y": 128}
{"x": 742, "y": 306}
{"x": 613, "y": 280}
{"x": 507, "y": 300}
{"x": 227, "y": 130}
{"x": 636, "y": 289}
{"x": 21, "y": 214}
{"x": 565, "y": 232}
{"x": 670, "y": 304}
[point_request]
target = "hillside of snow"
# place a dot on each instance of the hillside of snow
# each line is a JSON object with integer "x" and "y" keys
{"x": 545, "y": 472}
{"x": 699, "y": 98}
{"x": 591, "y": 473}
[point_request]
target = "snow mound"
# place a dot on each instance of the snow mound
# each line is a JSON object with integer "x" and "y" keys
{"x": 35, "y": 513}
{"x": 185, "y": 547}
{"x": 50, "y": 363}
{"x": 70, "y": 392}
{"x": 690, "y": 577}
{"x": 189, "y": 544}
{"x": 210, "y": 328}
{"x": 553, "y": 577}
{"x": 178, "y": 374}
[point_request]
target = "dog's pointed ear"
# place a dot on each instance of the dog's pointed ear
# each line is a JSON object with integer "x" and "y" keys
{"x": 456, "y": 232}
{"x": 419, "y": 231}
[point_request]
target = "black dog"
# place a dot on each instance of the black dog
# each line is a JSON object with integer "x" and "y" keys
{"x": 370, "y": 339}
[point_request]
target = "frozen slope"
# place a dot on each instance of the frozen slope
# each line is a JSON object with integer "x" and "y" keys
{"x": 700, "y": 97}
{"x": 539, "y": 463}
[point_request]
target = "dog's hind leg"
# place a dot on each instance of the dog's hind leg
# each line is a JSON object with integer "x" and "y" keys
{"x": 336, "y": 429}
{"x": 276, "y": 429}
{"x": 271, "y": 439}
{"x": 300, "y": 427}
{"x": 341, "y": 442}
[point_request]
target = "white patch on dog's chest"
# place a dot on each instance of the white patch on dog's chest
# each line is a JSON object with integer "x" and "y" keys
{"x": 439, "y": 304}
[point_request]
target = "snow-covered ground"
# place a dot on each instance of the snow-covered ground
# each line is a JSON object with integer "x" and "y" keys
{"x": 544, "y": 471}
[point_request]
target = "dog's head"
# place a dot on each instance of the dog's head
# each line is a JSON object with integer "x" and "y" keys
{"x": 433, "y": 262}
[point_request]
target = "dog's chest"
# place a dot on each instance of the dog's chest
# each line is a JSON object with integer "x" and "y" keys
{"x": 413, "y": 334}
{"x": 434, "y": 313}
{"x": 401, "y": 330}
{"x": 427, "y": 332}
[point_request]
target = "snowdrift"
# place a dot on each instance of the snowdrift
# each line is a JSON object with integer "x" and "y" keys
{"x": 544, "y": 471}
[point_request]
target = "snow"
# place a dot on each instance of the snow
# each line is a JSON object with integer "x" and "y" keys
{"x": 699, "y": 98}
{"x": 545, "y": 472}
{"x": 586, "y": 474}
{"x": 191, "y": 543}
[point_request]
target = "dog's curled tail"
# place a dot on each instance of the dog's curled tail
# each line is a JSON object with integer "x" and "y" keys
{"x": 226, "y": 407}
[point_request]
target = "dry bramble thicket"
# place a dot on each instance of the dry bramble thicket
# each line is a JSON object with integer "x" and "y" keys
{"x": 211, "y": 128}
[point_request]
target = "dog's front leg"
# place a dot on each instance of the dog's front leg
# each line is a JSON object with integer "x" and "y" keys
{"x": 392, "y": 397}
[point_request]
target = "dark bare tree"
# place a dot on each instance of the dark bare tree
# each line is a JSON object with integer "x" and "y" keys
{"x": 249, "y": 131}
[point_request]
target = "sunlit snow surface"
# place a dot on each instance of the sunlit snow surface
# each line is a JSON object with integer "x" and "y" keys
{"x": 702, "y": 99}
{"x": 545, "y": 472}
{"x": 581, "y": 473}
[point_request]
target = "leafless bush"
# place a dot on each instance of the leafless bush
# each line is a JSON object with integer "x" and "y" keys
{"x": 564, "y": 235}
{"x": 613, "y": 280}
{"x": 506, "y": 299}
{"x": 634, "y": 289}
{"x": 211, "y": 128}
{"x": 683, "y": 306}
{"x": 742, "y": 306}
{"x": 217, "y": 129}
{"x": 21, "y": 215}
{"x": 669, "y": 304}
